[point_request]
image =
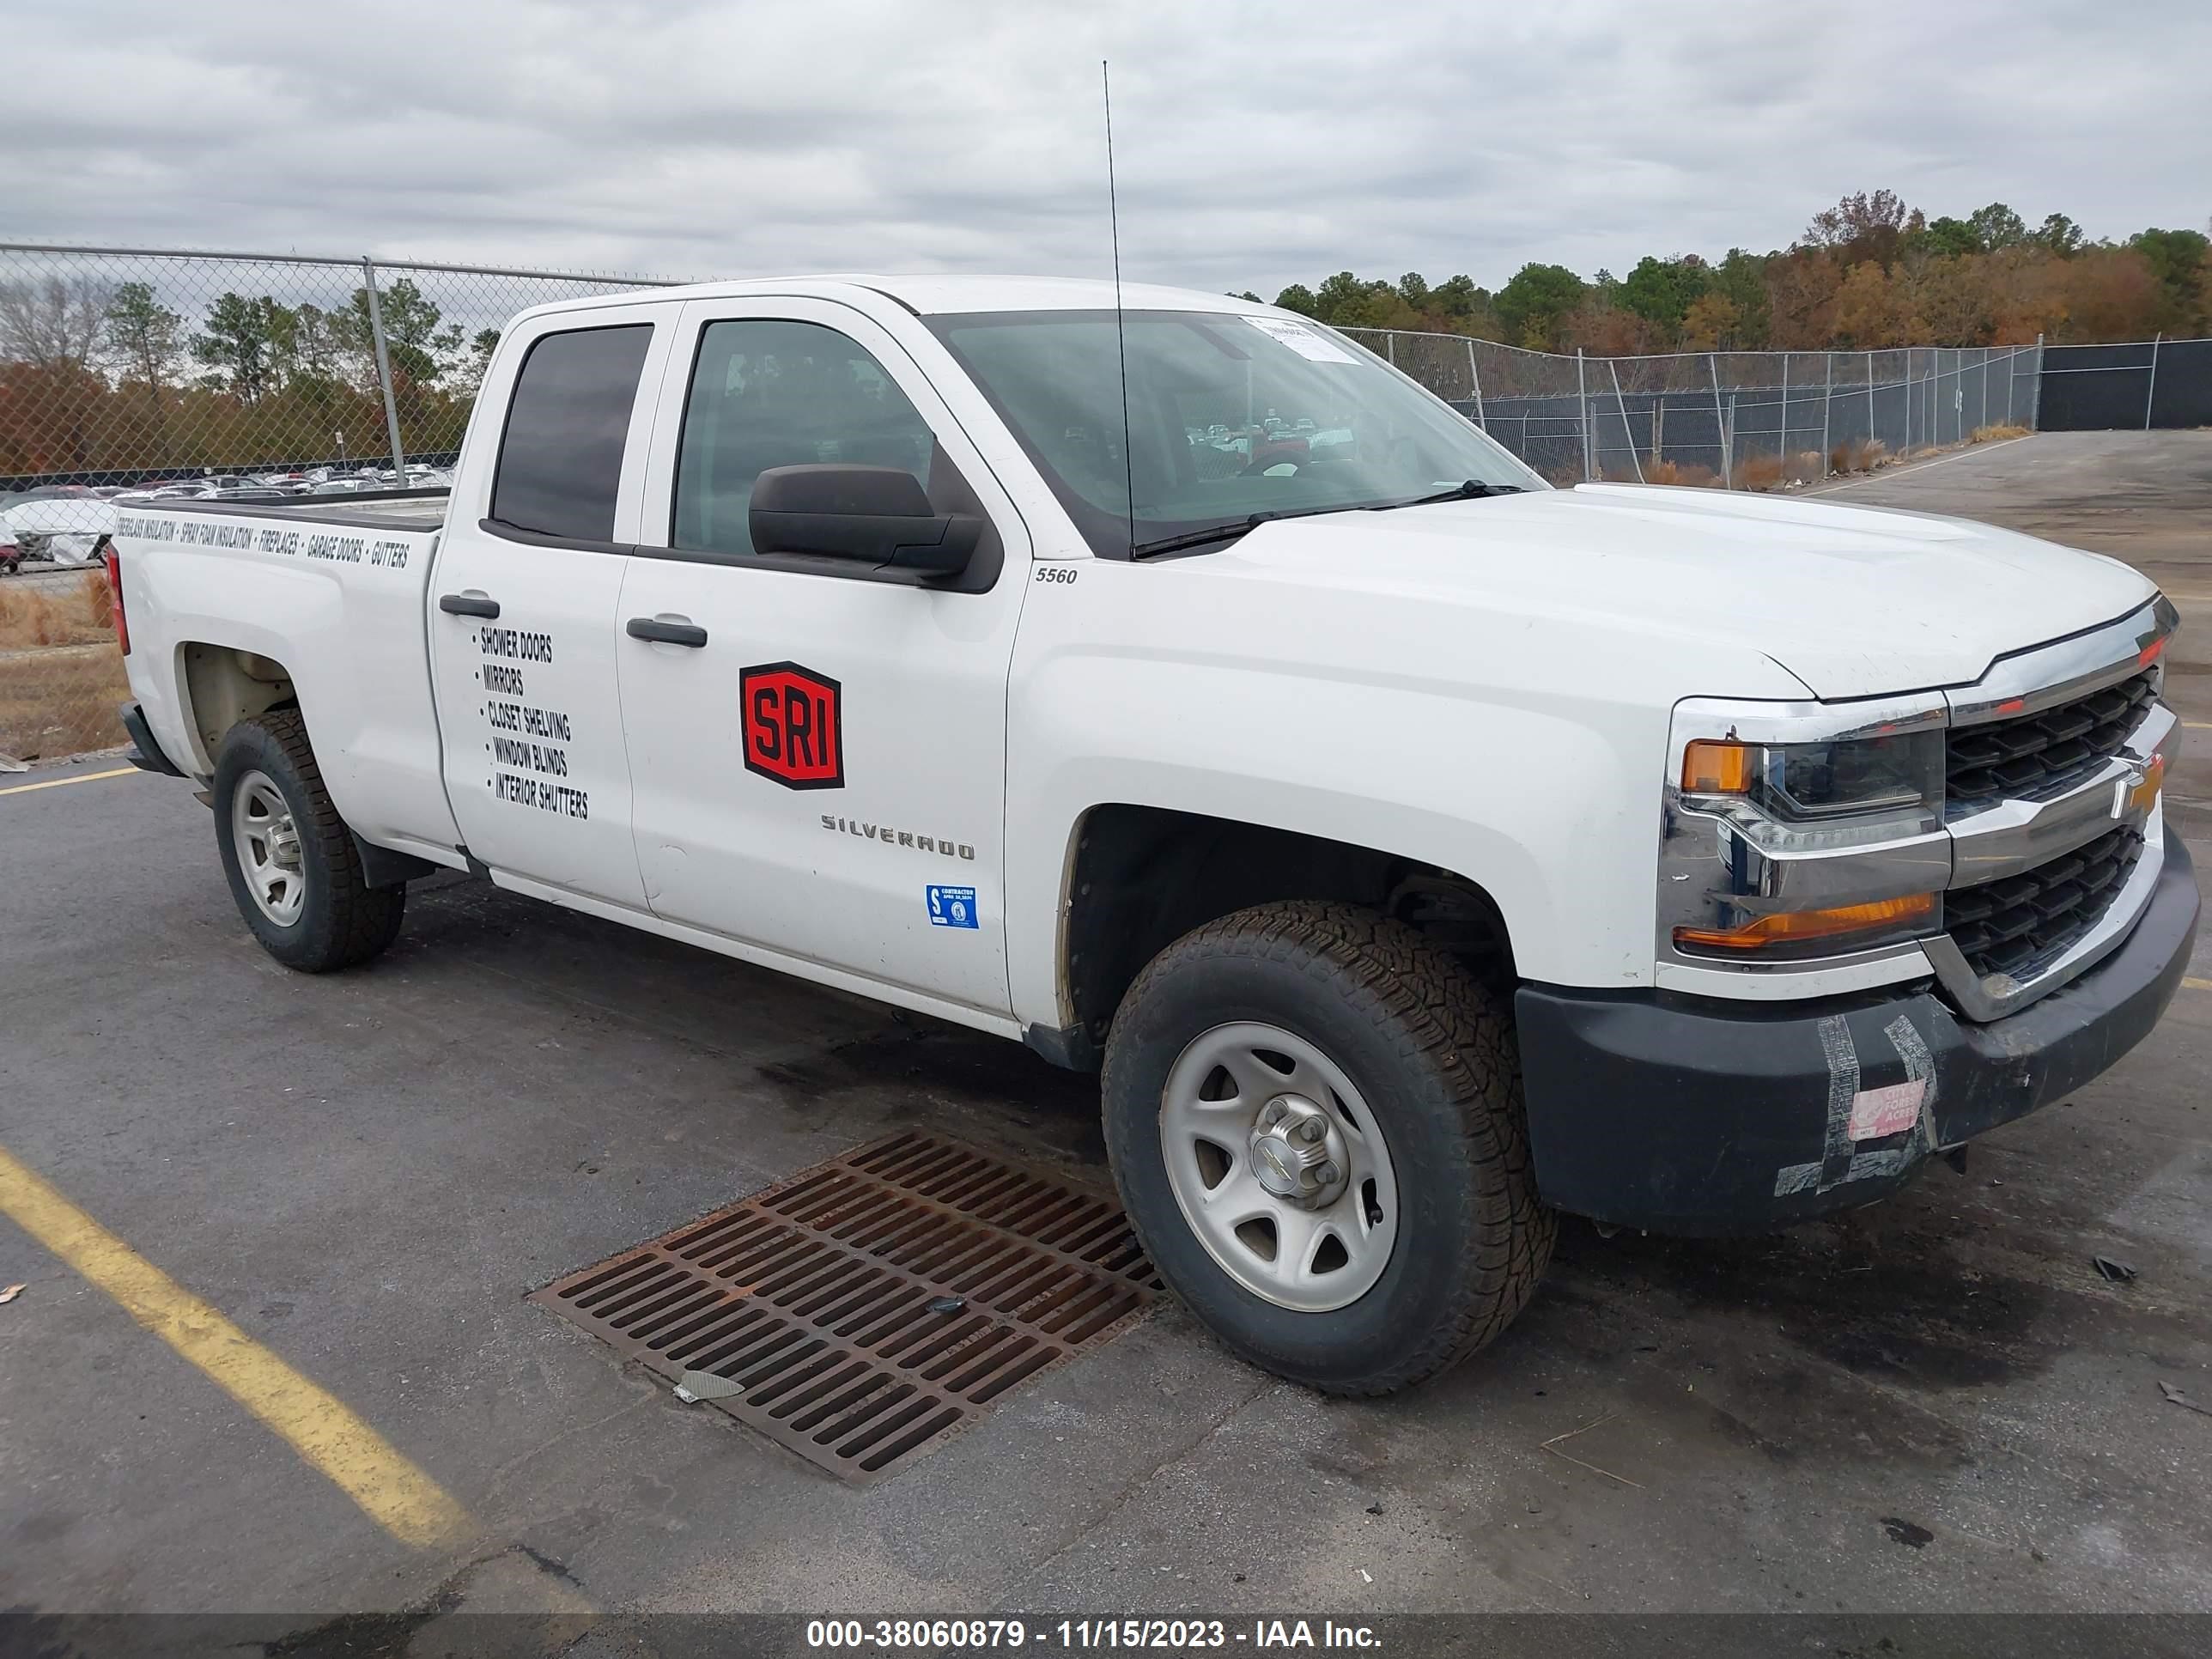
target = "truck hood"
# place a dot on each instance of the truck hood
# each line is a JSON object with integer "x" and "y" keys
{"x": 1853, "y": 601}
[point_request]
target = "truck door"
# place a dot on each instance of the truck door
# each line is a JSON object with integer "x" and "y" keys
{"x": 523, "y": 599}
{"x": 818, "y": 747}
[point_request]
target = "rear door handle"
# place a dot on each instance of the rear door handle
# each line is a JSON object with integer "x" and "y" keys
{"x": 467, "y": 605}
{"x": 667, "y": 633}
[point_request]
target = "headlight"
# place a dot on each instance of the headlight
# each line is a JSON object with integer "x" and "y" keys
{"x": 1900, "y": 773}
{"x": 1802, "y": 831}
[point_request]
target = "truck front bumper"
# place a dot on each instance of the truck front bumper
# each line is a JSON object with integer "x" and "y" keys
{"x": 1694, "y": 1116}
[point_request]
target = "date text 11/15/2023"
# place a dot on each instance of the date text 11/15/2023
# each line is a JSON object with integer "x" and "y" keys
{"x": 1082, "y": 1635}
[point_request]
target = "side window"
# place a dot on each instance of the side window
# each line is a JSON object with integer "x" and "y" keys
{"x": 560, "y": 458}
{"x": 766, "y": 394}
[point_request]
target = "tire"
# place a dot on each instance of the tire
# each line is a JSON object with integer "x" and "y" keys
{"x": 325, "y": 916}
{"x": 1430, "y": 1059}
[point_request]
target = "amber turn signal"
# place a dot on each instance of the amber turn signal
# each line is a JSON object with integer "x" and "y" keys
{"x": 1794, "y": 926}
{"x": 1717, "y": 769}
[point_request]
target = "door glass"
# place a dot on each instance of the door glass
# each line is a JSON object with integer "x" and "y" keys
{"x": 766, "y": 394}
{"x": 560, "y": 458}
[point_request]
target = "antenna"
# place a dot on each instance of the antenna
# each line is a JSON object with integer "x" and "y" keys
{"x": 1121, "y": 333}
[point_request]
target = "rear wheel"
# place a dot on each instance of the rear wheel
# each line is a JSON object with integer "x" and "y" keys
{"x": 292, "y": 865}
{"x": 1315, "y": 1118}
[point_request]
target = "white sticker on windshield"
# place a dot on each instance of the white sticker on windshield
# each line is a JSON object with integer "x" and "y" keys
{"x": 1302, "y": 340}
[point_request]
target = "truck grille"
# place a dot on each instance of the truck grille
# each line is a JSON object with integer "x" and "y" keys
{"x": 2032, "y": 757}
{"x": 2009, "y": 927}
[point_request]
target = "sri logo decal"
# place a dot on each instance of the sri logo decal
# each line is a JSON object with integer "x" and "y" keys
{"x": 792, "y": 730}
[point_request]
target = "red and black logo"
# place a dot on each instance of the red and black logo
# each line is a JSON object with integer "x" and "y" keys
{"x": 793, "y": 733}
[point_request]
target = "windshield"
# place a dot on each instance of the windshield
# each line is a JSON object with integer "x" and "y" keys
{"x": 1229, "y": 415}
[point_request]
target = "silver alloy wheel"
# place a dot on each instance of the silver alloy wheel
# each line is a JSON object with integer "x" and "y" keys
{"x": 267, "y": 843}
{"x": 1279, "y": 1166}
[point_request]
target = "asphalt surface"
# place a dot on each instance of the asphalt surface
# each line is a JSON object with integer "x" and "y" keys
{"x": 1937, "y": 1404}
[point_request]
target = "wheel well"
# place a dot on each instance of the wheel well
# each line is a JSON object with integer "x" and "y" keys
{"x": 224, "y": 686}
{"x": 1145, "y": 876}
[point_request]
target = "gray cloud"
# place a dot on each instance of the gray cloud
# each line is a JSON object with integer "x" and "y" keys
{"x": 1258, "y": 145}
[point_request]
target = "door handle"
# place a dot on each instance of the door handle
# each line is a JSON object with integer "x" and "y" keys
{"x": 467, "y": 605}
{"x": 665, "y": 633}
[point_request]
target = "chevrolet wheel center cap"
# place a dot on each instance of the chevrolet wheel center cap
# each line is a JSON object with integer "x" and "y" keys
{"x": 1299, "y": 1154}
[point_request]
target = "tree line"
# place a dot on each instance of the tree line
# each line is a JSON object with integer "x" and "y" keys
{"x": 98, "y": 376}
{"x": 1870, "y": 273}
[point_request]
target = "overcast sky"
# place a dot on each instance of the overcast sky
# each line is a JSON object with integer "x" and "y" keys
{"x": 1258, "y": 144}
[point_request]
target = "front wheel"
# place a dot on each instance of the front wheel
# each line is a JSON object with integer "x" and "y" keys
{"x": 1315, "y": 1118}
{"x": 291, "y": 863}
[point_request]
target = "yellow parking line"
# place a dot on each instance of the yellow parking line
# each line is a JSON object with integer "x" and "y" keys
{"x": 2198, "y": 984}
{"x": 75, "y": 777}
{"x": 321, "y": 1428}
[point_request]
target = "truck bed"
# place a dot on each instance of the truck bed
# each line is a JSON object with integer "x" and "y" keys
{"x": 386, "y": 509}
{"x": 390, "y": 531}
{"x": 319, "y": 596}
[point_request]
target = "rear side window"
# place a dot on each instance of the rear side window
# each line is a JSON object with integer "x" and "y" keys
{"x": 561, "y": 459}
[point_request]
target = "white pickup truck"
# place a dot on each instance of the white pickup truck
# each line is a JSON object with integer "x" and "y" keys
{"x": 1421, "y": 850}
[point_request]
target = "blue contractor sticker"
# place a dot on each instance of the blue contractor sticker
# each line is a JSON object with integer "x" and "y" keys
{"x": 950, "y": 907}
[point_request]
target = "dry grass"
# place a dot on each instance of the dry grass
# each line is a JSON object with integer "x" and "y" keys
{"x": 1673, "y": 471}
{"x": 1858, "y": 455}
{"x": 68, "y": 612}
{"x": 1758, "y": 472}
{"x": 1991, "y": 434}
{"x": 61, "y": 701}
{"x": 1803, "y": 466}
{"x": 61, "y": 676}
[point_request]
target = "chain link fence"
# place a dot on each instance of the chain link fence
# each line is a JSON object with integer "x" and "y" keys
{"x": 133, "y": 375}
{"x": 2139, "y": 383}
{"x": 1736, "y": 420}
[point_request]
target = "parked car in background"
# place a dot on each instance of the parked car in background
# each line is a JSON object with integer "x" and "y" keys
{"x": 61, "y": 522}
{"x": 166, "y": 489}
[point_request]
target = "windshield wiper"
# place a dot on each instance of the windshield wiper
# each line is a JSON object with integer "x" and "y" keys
{"x": 1472, "y": 489}
{"x": 1220, "y": 532}
{"x": 1234, "y": 528}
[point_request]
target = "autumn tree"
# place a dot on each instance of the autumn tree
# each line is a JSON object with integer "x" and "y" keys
{"x": 1871, "y": 311}
{"x": 1863, "y": 226}
{"x": 2107, "y": 294}
{"x": 1711, "y": 324}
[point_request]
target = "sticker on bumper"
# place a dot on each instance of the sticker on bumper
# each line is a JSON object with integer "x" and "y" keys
{"x": 1878, "y": 1112}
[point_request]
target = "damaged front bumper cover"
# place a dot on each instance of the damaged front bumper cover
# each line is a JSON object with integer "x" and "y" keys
{"x": 1693, "y": 1116}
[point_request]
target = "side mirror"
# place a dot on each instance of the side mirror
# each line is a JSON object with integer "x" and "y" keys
{"x": 876, "y": 515}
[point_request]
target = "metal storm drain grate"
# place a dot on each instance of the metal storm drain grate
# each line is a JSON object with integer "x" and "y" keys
{"x": 872, "y": 1305}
